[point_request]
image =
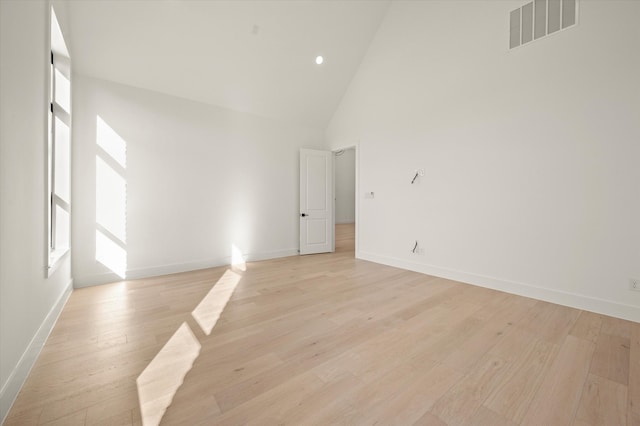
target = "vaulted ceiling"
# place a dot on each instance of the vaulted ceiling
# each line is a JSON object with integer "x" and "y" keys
{"x": 251, "y": 56}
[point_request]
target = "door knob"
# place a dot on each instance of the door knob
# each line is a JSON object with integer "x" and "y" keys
{"x": 303, "y": 214}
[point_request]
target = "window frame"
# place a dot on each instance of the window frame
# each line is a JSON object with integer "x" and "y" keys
{"x": 59, "y": 62}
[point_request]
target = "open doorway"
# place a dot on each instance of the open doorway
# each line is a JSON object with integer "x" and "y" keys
{"x": 345, "y": 199}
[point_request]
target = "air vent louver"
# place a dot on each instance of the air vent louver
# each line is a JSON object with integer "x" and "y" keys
{"x": 540, "y": 18}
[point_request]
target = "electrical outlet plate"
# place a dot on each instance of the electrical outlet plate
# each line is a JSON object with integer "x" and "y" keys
{"x": 634, "y": 284}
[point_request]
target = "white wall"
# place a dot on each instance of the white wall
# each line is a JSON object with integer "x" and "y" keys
{"x": 199, "y": 180}
{"x": 29, "y": 302}
{"x": 531, "y": 155}
{"x": 345, "y": 181}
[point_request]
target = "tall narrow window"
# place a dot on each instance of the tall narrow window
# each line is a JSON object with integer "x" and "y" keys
{"x": 59, "y": 155}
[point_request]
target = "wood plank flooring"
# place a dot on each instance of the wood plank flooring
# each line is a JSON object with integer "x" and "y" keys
{"x": 324, "y": 340}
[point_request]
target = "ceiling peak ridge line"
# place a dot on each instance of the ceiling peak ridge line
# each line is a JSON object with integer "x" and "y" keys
{"x": 363, "y": 58}
{"x": 269, "y": 74}
{"x": 272, "y": 120}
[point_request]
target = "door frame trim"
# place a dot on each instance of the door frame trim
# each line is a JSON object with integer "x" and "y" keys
{"x": 356, "y": 147}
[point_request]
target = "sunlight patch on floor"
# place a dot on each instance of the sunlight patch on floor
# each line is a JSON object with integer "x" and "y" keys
{"x": 160, "y": 381}
{"x": 210, "y": 308}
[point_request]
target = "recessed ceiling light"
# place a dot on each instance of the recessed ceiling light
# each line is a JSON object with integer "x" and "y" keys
{"x": 319, "y": 60}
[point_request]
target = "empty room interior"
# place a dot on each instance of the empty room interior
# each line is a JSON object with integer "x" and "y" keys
{"x": 320, "y": 212}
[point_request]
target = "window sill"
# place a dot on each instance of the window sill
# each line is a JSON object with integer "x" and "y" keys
{"x": 55, "y": 259}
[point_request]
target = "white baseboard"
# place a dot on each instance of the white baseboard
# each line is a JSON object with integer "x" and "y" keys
{"x": 154, "y": 271}
{"x": 20, "y": 373}
{"x": 592, "y": 304}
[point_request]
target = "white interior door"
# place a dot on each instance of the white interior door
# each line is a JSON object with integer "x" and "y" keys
{"x": 316, "y": 201}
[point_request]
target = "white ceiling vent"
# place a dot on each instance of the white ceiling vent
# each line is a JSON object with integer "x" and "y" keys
{"x": 540, "y": 18}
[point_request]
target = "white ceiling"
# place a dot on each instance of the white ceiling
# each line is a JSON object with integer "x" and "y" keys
{"x": 251, "y": 56}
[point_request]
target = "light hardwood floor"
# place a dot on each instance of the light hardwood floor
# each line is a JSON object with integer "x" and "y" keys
{"x": 324, "y": 340}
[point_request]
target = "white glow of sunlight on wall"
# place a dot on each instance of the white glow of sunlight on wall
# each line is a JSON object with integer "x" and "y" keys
{"x": 63, "y": 91}
{"x": 111, "y": 142}
{"x": 111, "y": 254}
{"x": 62, "y": 228}
{"x": 159, "y": 382}
{"x": 237, "y": 259}
{"x": 111, "y": 202}
{"x": 210, "y": 308}
{"x": 111, "y": 199}
{"x": 62, "y": 158}
{"x": 57, "y": 40}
